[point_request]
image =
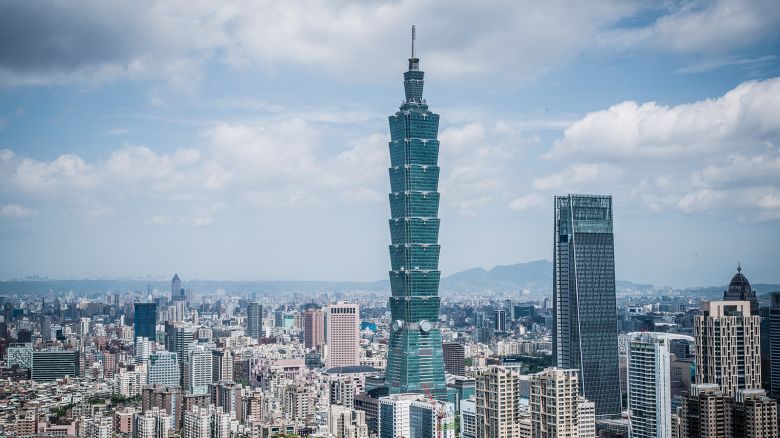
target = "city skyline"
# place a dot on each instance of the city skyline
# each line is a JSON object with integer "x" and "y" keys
{"x": 145, "y": 170}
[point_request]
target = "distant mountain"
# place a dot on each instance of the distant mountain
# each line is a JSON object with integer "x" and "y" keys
{"x": 535, "y": 276}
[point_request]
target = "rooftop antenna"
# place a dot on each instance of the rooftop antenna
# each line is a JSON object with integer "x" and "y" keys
{"x": 414, "y": 35}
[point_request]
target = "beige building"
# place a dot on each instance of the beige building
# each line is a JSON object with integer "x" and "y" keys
{"x": 343, "y": 334}
{"x": 347, "y": 423}
{"x": 498, "y": 403}
{"x": 555, "y": 405}
{"x": 754, "y": 415}
{"x": 704, "y": 413}
{"x": 728, "y": 346}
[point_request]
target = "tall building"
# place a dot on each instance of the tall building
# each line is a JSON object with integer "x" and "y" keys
{"x": 414, "y": 358}
{"x": 649, "y": 398}
{"x": 468, "y": 418}
{"x": 49, "y": 365}
{"x": 498, "y": 410}
{"x": 96, "y": 427}
{"x": 221, "y": 365}
{"x": 739, "y": 290}
{"x": 554, "y": 402}
{"x": 343, "y": 332}
{"x": 163, "y": 368}
{"x": 175, "y": 287}
{"x": 198, "y": 370}
{"x": 704, "y": 412}
{"x": 347, "y": 423}
{"x": 415, "y": 416}
{"x": 145, "y": 320}
{"x": 143, "y": 348}
{"x": 754, "y": 415}
{"x": 584, "y": 303}
{"x": 454, "y": 358}
{"x": 154, "y": 423}
{"x": 313, "y": 329}
{"x": 774, "y": 345}
{"x": 164, "y": 398}
{"x": 254, "y": 320}
{"x": 728, "y": 346}
{"x": 226, "y": 397}
{"x": 500, "y": 320}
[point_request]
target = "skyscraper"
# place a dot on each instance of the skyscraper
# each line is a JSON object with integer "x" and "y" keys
{"x": 343, "y": 328}
{"x": 728, "y": 346}
{"x": 555, "y": 402}
{"x": 774, "y": 344}
{"x": 145, "y": 320}
{"x": 414, "y": 358}
{"x": 313, "y": 329}
{"x": 584, "y": 303}
{"x": 649, "y": 398}
{"x": 454, "y": 358}
{"x": 175, "y": 287}
{"x": 739, "y": 290}
{"x": 498, "y": 403}
{"x": 254, "y": 320}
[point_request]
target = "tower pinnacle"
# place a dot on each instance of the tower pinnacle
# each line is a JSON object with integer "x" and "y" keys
{"x": 414, "y": 62}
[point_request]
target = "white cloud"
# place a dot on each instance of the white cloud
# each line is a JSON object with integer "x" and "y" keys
{"x": 527, "y": 202}
{"x": 16, "y": 211}
{"x": 715, "y": 156}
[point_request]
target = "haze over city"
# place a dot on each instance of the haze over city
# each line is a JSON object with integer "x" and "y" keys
{"x": 249, "y": 141}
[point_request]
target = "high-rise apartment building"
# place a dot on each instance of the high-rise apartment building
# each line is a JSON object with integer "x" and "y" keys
{"x": 254, "y": 320}
{"x": 728, "y": 347}
{"x": 774, "y": 344}
{"x": 198, "y": 370}
{"x": 226, "y": 397}
{"x": 346, "y": 422}
{"x": 145, "y": 320}
{"x": 414, "y": 415}
{"x": 343, "y": 332}
{"x": 313, "y": 329}
{"x": 740, "y": 290}
{"x": 154, "y": 423}
{"x": 586, "y": 418}
{"x": 554, "y": 403}
{"x": 754, "y": 415}
{"x": 468, "y": 418}
{"x": 165, "y": 398}
{"x": 704, "y": 412}
{"x": 414, "y": 357}
{"x": 221, "y": 365}
{"x": 498, "y": 409}
{"x": 454, "y": 358}
{"x": 585, "y": 330}
{"x": 649, "y": 398}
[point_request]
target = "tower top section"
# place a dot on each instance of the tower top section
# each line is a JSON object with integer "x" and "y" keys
{"x": 414, "y": 62}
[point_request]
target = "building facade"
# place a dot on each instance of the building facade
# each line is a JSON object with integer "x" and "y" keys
{"x": 454, "y": 358}
{"x": 649, "y": 398}
{"x": 254, "y": 320}
{"x": 584, "y": 303}
{"x": 774, "y": 344}
{"x": 313, "y": 329}
{"x": 414, "y": 360}
{"x": 145, "y": 320}
{"x": 498, "y": 410}
{"x": 343, "y": 333}
{"x": 728, "y": 346}
{"x": 554, "y": 403}
{"x": 49, "y": 365}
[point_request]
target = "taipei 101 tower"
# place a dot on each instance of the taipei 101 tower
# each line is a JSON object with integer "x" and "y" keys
{"x": 414, "y": 359}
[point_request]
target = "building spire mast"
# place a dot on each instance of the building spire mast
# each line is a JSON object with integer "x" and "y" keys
{"x": 414, "y": 36}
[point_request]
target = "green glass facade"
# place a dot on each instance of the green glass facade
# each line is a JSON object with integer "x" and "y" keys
{"x": 415, "y": 361}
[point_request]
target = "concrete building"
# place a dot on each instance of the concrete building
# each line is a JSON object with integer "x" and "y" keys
{"x": 754, "y": 415}
{"x": 163, "y": 368}
{"x": 343, "y": 334}
{"x": 728, "y": 347}
{"x": 704, "y": 412}
{"x": 49, "y": 365}
{"x": 555, "y": 398}
{"x": 154, "y": 423}
{"x": 454, "y": 358}
{"x": 166, "y": 398}
{"x": 413, "y": 415}
{"x": 226, "y": 396}
{"x": 347, "y": 423}
{"x": 254, "y": 320}
{"x": 649, "y": 398}
{"x": 313, "y": 329}
{"x": 468, "y": 418}
{"x": 198, "y": 370}
{"x": 586, "y": 417}
{"x": 221, "y": 365}
{"x": 498, "y": 409}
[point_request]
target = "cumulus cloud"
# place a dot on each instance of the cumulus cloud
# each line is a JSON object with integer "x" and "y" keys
{"x": 711, "y": 156}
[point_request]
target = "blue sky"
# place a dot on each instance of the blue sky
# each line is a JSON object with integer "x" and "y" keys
{"x": 247, "y": 140}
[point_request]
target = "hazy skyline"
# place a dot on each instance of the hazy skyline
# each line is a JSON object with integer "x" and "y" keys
{"x": 249, "y": 140}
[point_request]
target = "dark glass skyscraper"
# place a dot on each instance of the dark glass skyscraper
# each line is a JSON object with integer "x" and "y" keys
{"x": 145, "y": 320}
{"x": 415, "y": 362}
{"x": 585, "y": 331}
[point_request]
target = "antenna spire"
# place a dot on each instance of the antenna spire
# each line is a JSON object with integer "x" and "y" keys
{"x": 414, "y": 37}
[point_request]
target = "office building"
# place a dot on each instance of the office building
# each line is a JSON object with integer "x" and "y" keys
{"x": 584, "y": 304}
{"x": 145, "y": 320}
{"x": 313, "y": 329}
{"x": 175, "y": 287}
{"x": 254, "y": 320}
{"x": 198, "y": 370}
{"x": 49, "y": 365}
{"x": 739, "y": 290}
{"x": 19, "y": 355}
{"x": 468, "y": 418}
{"x": 414, "y": 357}
{"x": 774, "y": 344}
{"x": 414, "y": 416}
{"x": 554, "y": 404}
{"x": 164, "y": 368}
{"x": 728, "y": 346}
{"x": 221, "y": 365}
{"x": 497, "y": 402}
{"x": 343, "y": 334}
{"x": 500, "y": 321}
{"x": 649, "y": 398}
{"x": 454, "y": 358}
{"x": 143, "y": 349}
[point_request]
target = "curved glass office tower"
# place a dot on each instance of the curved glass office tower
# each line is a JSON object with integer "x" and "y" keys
{"x": 415, "y": 362}
{"x": 584, "y": 303}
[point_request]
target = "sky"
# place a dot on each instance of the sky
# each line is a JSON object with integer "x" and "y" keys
{"x": 248, "y": 140}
